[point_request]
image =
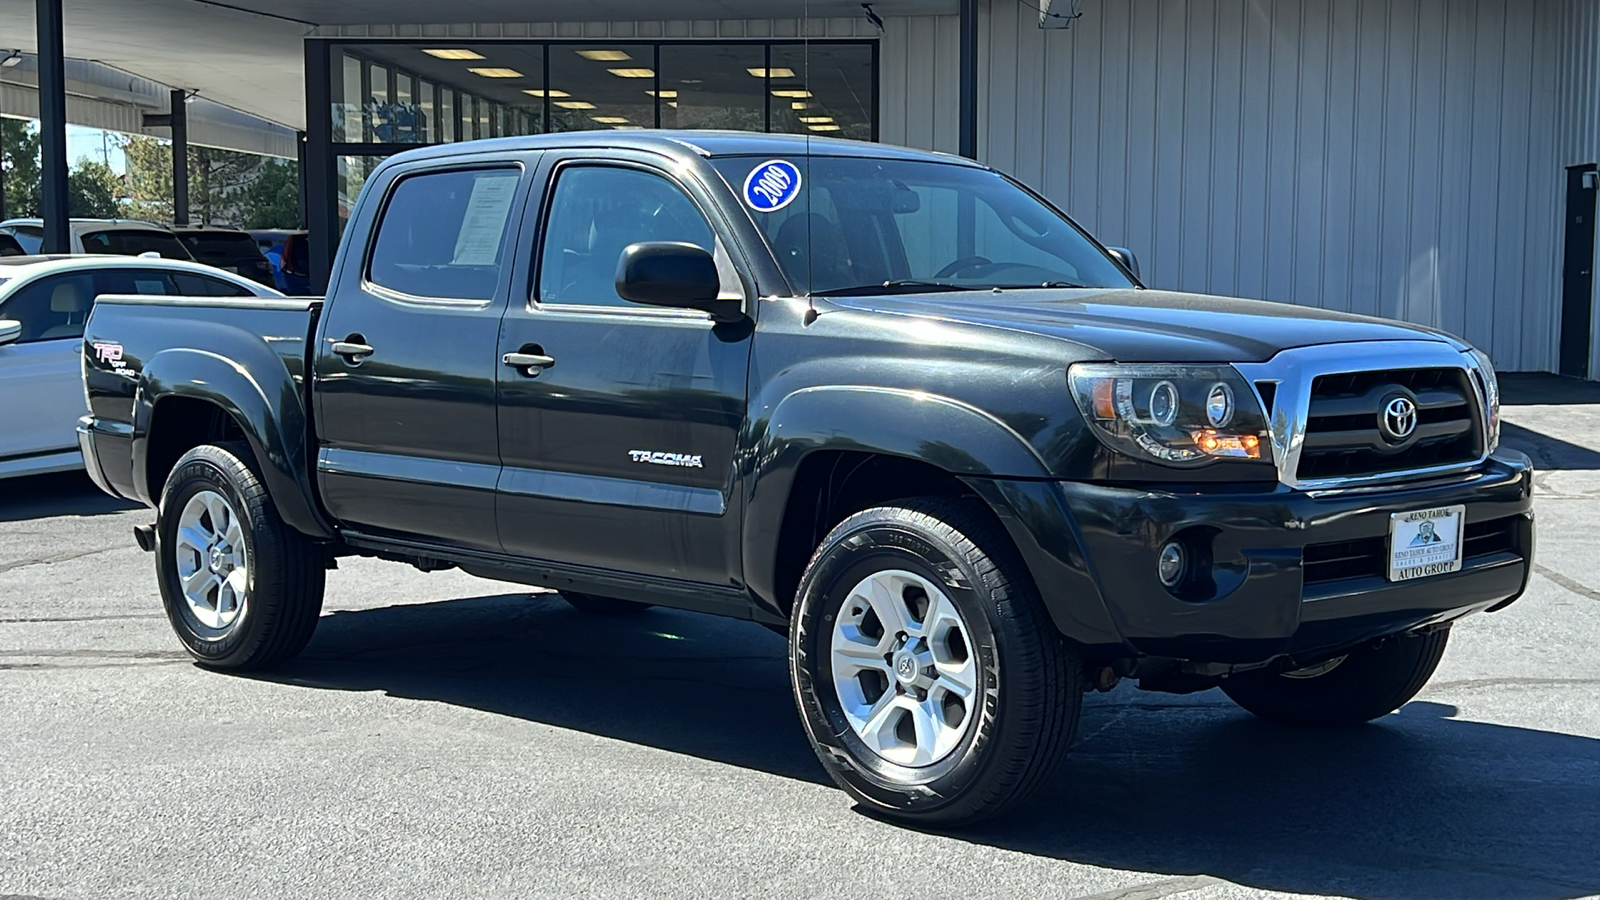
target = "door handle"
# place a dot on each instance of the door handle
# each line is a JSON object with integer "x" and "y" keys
{"x": 529, "y": 364}
{"x": 351, "y": 349}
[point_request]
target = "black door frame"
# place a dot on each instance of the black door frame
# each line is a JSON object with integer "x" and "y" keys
{"x": 1576, "y": 336}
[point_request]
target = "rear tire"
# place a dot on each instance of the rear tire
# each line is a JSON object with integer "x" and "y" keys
{"x": 603, "y": 606}
{"x": 934, "y": 687}
{"x": 241, "y": 589}
{"x": 1369, "y": 682}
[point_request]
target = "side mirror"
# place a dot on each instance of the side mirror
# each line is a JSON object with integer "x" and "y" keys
{"x": 10, "y": 330}
{"x": 673, "y": 274}
{"x": 1128, "y": 260}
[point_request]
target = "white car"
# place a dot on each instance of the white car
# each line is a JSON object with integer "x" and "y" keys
{"x": 44, "y": 302}
{"x": 118, "y": 237}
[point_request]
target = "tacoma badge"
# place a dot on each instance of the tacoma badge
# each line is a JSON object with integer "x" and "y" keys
{"x": 658, "y": 458}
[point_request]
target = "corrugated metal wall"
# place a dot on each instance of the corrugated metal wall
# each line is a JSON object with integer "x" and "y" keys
{"x": 1578, "y": 122}
{"x": 1388, "y": 157}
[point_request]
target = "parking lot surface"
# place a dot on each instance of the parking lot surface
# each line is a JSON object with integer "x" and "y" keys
{"x": 449, "y": 736}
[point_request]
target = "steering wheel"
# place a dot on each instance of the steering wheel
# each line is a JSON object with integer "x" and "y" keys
{"x": 965, "y": 262}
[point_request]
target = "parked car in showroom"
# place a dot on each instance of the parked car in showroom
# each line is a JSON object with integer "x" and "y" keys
{"x": 229, "y": 249}
{"x": 44, "y": 302}
{"x": 892, "y": 404}
{"x": 117, "y": 237}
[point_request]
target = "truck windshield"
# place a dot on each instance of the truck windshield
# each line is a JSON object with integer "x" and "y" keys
{"x": 861, "y": 226}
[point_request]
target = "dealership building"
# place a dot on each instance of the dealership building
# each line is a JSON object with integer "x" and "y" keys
{"x": 1428, "y": 160}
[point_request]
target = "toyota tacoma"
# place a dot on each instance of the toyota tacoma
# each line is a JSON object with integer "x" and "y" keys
{"x": 891, "y": 403}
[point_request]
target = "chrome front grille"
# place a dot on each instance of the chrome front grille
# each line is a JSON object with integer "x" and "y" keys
{"x": 1326, "y": 405}
{"x": 1344, "y": 434}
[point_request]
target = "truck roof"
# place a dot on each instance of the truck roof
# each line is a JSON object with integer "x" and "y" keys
{"x": 708, "y": 144}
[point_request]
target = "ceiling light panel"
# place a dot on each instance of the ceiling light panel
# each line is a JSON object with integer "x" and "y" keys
{"x": 775, "y": 72}
{"x": 633, "y": 73}
{"x": 494, "y": 72}
{"x": 573, "y": 104}
{"x": 453, "y": 54}
{"x": 604, "y": 55}
{"x": 538, "y": 92}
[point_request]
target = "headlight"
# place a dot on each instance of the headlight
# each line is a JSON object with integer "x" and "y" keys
{"x": 1177, "y": 415}
{"x": 1491, "y": 389}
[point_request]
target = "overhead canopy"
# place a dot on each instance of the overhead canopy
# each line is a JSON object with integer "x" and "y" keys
{"x": 249, "y": 54}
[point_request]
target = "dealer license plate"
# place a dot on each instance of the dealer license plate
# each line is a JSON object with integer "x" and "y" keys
{"x": 1425, "y": 542}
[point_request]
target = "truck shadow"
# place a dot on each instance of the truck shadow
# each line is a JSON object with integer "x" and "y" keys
{"x": 1423, "y": 805}
{"x": 48, "y": 496}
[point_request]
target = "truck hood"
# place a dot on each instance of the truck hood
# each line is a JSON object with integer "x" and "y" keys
{"x": 1151, "y": 326}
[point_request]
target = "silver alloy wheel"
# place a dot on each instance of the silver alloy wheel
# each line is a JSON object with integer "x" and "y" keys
{"x": 903, "y": 668}
{"x": 213, "y": 560}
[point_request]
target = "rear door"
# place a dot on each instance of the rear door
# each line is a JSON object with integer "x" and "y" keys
{"x": 405, "y": 366}
{"x": 619, "y": 454}
{"x": 41, "y": 387}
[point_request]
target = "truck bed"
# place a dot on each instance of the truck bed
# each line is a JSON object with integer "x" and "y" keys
{"x": 137, "y": 345}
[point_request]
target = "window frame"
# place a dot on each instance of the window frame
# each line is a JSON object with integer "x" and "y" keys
{"x": 509, "y": 238}
{"x": 720, "y": 236}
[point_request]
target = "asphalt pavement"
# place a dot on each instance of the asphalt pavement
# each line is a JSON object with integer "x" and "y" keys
{"x": 445, "y": 736}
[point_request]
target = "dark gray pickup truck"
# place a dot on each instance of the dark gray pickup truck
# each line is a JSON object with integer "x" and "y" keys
{"x": 890, "y": 403}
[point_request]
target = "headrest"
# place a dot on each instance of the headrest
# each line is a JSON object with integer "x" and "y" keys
{"x": 68, "y": 298}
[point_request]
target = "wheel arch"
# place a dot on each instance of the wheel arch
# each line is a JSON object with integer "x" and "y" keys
{"x": 190, "y": 397}
{"x": 828, "y": 452}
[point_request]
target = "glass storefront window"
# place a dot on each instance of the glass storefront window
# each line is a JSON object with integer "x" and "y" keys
{"x": 717, "y": 86}
{"x": 352, "y": 175}
{"x": 385, "y": 94}
{"x": 825, "y": 89}
{"x": 601, "y": 86}
{"x": 428, "y": 100}
{"x": 447, "y": 116}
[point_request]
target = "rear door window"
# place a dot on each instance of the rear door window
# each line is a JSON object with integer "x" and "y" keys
{"x": 191, "y": 285}
{"x": 443, "y": 234}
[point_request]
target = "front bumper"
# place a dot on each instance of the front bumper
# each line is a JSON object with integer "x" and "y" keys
{"x": 1092, "y": 551}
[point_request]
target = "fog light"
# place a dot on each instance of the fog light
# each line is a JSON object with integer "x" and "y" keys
{"x": 1172, "y": 564}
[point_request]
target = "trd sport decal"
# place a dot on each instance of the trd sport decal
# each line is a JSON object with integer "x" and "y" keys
{"x": 657, "y": 458}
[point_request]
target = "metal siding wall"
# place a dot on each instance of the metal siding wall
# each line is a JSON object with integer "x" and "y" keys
{"x": 1387, "y": 157}
{"x": 1578, "y": 87}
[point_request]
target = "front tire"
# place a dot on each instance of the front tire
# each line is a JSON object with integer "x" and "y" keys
{"x": 241, "y": 589}
{"x": 1367, "y": 683}
{"x": 932, "y": 684}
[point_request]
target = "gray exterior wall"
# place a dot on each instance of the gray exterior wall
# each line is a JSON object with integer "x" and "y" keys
{"x": 1399, "y": 158}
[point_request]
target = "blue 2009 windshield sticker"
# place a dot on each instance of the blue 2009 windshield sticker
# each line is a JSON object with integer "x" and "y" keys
{"x": 772, "y": 185}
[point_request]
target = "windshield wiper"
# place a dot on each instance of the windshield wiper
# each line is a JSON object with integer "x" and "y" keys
{"x": 1038, "y": 284}
{"x": 899, "y": 286}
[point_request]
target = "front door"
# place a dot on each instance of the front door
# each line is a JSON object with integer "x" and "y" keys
{"x": 619, "y": 447}
{"x": 41, "y": 374}
{"x": 41, "y": 388}
{"x": 405, "y": 364}
{"x": 1577, "y": 272}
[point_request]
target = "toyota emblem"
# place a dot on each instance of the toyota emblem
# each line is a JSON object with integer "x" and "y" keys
{"x": 1399, "y": 419}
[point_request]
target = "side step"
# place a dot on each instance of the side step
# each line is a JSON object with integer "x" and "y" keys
{"x": 145, "y": 536}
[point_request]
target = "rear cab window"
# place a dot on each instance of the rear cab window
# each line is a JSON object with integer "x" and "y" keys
{"x": 442, "y": 235}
